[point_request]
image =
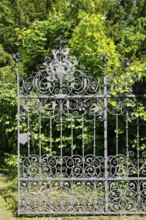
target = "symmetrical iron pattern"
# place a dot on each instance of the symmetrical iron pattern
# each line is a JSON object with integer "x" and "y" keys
{"x": 70, "y": 167}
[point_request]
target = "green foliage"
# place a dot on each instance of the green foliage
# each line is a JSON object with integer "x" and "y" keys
{"x": 7, "y": 24}
{"x": 10, "y": 162}
{"x": 7, "y": 102}
{"x": 36, "y": 41}
{"x": 27, "y": 11}
{"x": 117, "y": 28}
{"x": 89, "y": 42}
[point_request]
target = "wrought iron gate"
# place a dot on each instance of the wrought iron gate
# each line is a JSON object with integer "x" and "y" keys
{"x": 80, "y": 146}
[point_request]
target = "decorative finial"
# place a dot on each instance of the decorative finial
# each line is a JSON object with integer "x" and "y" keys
{"x": 60, "y": 41}
{"x": 126, "y": 62}
{"x": 16, "y": 57}
{"x": 104, "y": 58}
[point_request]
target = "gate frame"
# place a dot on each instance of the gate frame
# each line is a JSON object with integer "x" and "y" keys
{"x": 106, "y": 179}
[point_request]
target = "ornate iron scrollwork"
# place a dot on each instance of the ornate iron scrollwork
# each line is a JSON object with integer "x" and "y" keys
{"x": 77, "y": 172}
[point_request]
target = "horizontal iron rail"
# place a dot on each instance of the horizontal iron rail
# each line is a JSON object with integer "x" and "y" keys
{"x": 64, "y": 96}
{"x": 85, "y": 179}
{"x": 81, "y": 213}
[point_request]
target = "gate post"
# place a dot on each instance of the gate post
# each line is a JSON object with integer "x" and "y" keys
{"x": 105, "y": 59}
{"x": 17, "y": 58}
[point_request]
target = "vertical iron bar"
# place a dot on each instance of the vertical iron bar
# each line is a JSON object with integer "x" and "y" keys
{"x": 61, "y": 134}
{"x": 61, "y": 156}
{"x": 117, "y": 134}
{"x": 83, "y": 146}
{"x": 60, "y": 84}
{"x": 127, "y": 142}
{"x": 50, "y": 135}
{"x": 95, "y": 190}
{"x": 72, "y": 136}
{"x": 83, "y": 151}
{"x": 94, "y": 143}
{"x": 40, "y": 153}
{"x": 61, "y": 111}
{"x": 138, "y": 168}
{"x": 40, "y": 124}
{"x": 28, "y": 136}
{"x": 51, "y": 188}
{"x": 105, "y": 139}
{"x": 61, "y": 81}
{"x": 18, "y": 132}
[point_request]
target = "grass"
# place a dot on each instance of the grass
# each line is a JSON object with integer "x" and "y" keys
{"x": 8, "y": 205}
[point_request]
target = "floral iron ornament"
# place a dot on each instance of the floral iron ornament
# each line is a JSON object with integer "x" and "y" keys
{"x": 63, "y": 87}
{"x": 60, "y": 76}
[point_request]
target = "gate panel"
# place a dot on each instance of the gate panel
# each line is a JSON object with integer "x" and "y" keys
{"x": 68, "y": 123}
